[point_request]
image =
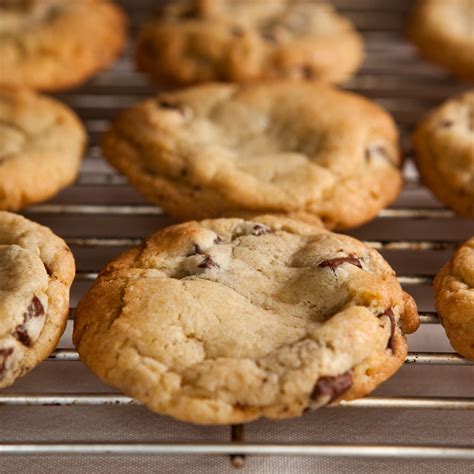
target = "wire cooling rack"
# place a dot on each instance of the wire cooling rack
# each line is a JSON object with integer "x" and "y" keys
{"x": 100, "y": 216}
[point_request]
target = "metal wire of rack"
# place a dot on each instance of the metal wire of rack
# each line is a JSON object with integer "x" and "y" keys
{"x": 395, "y": 77}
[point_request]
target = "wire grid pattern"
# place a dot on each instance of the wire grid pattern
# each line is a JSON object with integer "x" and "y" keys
{"x": 101, "y": 215}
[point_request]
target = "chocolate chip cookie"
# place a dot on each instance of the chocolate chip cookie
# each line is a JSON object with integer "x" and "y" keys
{"x": 41, "y": 146}
{"x": 443, "y": 31}
{"x": 454, "y": 287}
{"x": 243, "y": 40}
{"x": 444, "y": 153}
{"x": 228, "y": 320}
{"x": 36, "y": 272}
{"x": 56, "y": 44}
{"x": 283, "y": 147}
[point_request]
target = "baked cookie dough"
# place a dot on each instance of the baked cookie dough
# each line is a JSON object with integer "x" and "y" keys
{"x": 454, "y": 287}
{"x": 244, "y": 40}
{"x": 41, "y": 146}
{"x": 57, "y": 44}
{"x": 36, "y": 273}
{"x": 228, "y": 320}
{"x": 443, "y": 30}
{"x": 225, "y": 150}
{"x": 444, "y": 153}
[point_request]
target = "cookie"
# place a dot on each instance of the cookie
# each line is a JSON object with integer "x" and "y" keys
{"x": 36, "y": 273}
{"x": 444, "y": 153}
{"x": 283, "y": 147}
{"x": 454, "y": 288}
{"x": 443, "y": 31}
{"x": 195, "y": 41}
{"x": 41, "y": 146}
{"x": 57, "y": 44}
{"x": 228, "y": 320}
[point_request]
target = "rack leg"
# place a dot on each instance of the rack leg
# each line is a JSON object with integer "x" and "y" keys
{"x": 237, "y": 436}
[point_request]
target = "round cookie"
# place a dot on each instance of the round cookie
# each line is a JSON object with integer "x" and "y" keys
{"x": 244, "y": 40}
{"x": 444, "y": 153}
{"x": 36, "y": 273}
{"x": 41, "y": 146}
{"x": 285, "y": 147}
{"x": 228, "y": 320}
{"x": 443, "y": 31}
{"x": 57, "y": 44}
{"x": 454, "y": 288}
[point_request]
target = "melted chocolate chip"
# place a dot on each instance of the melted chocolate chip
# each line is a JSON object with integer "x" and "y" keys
{"x": 260, "y": 229}
{"x": 22, "y": 335}
{"x": 308, "y": 72}
{"x": 391, "y": 316}
{"x": 237, "y": 31}
{"x": 34, "y": 310}
{"x": 332, "y": 387}
{"x": 218, "y": 240}
{"x": 446, "y": 124}
{"x": 4, "y": 354}
{"x": 208, "y": 263}
{"x": 270, "y": 35}
{"x": 335, "y": 262}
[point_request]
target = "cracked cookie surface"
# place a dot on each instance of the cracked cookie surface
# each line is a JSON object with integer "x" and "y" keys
{"x": 444, "y": 153}
{"x": 243, "y": 40}
{"x": 228, "y": 320}
{"x": 57, "y": 44}
{"x": 41, "y": 146}
{"x": 454, "y": 287}
{"x": 225, "y": 150}
{"x": 443, "y": 30}
{"x": 36, "y": 272}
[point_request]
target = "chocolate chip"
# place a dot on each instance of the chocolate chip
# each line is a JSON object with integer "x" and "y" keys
{"x": 218, "y": 240}
{"x": 22, "y": 335}
{"x": 270, "y": 35}
{"x": 4, "y": 354}
{"x": 308, "y": 72}
{"x": 332, "y": 387}
{"x": 208, "y": 263}
{"x": 260, "y": 229}
{"x": 237, "y": 31}
{"x": 35, "y": 309}
{"x": 335, "y": 262}
{"x": 446, "y": 124}
{"x": 391, "y": 316}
